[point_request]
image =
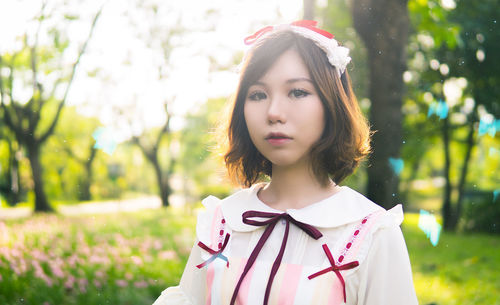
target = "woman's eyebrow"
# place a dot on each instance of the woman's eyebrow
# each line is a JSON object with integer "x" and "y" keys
{"x": 289, "y": 81}
{"x": 299, "y": 79}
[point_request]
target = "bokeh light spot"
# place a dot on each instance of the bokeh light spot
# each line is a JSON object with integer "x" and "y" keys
{"x": 427, "y": 222}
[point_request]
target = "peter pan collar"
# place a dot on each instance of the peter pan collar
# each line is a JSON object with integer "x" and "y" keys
{"x": 345, "y": 206}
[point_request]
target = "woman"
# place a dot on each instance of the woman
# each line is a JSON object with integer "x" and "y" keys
{"x": 300, "y": 238}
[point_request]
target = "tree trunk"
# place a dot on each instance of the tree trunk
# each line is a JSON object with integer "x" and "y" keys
{"x": 41, "y": 202}
{"x": 11, "y": 188}
{"x": 162, "y": 184}
{"x": 413, "y": 175}
{"x": 447, "y": 211}
{"x": 383, "y": 27}
{"x": 15, "y": 184}
{"x": 309, "y": 9}
{"x": 463, "y": 175}
{"x": 84, "y": 194}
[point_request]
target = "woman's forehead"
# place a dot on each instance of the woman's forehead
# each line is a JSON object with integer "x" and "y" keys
{"x": 287, "y": 68}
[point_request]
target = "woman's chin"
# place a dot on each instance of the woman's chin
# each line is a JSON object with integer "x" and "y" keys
{"x": 283, "y": 161}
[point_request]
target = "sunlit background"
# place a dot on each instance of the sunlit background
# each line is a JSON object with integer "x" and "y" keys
{"x": 104, "y": 159}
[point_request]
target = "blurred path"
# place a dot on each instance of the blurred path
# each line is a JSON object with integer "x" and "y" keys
{"x": 97, "y": 207}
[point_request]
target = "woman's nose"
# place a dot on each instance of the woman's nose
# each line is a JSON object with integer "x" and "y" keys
{"x": 276, "y": 111}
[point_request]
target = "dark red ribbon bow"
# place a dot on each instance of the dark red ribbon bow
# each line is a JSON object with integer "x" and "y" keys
{"x": 271, "y": 222}
{"x": 335, "y": 268}
{"x": 309, "y": 24}
{"x": 214, "y": 253}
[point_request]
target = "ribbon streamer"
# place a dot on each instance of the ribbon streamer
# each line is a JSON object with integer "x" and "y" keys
{"x": 271, "y": 222}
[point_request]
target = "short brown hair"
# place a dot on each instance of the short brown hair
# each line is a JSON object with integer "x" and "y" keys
{"x": 345, "y": 140}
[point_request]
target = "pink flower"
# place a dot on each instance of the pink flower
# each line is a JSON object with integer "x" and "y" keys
{"x": 136, "y": 260}
{"x": 69, "y": 282}
{"x": 169, "y": 254}
{"x": 99, "y": 274}
{"x": 72, "y": 260}
{"x": 82, "y": 284}
{"x": 121, "y": 283}
{"x": 57, "y": 271}
{"x": 157, "y": 245}
{"x": 97, "y": 283}
{"x": 141, "y": 284}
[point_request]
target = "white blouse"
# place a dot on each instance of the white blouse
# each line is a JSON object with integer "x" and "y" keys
{"x": 359, "y": 256}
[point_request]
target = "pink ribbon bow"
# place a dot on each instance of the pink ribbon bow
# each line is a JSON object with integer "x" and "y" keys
{"x": 308, "y": 24}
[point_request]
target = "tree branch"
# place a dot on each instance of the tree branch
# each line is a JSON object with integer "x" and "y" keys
{"x": 9, "y": 120}
{"x": 33, "y": 54}
{"x": 10, "y": 83}
{"x": 165, "y": 128}
{"x": 50, "y": 130}
{"x": 149, "y": 155}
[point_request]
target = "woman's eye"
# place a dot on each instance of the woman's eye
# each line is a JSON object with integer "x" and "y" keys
{"x": 298, "y": 93}
{"x": 257, "y": 96}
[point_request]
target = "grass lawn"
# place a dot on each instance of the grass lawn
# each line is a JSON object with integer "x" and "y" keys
{"x": 129, "y": 258}
{"x": 462, "y": 269}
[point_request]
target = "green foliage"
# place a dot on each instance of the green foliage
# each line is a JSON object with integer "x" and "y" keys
{"x": 450, "y": 39}
{"x": 429, "y": 17}
{"x": 482, "y": 212}
{"x": 64, "y": 154}
{"x": 198, "y": 148}
{"x": 480, "y": 34}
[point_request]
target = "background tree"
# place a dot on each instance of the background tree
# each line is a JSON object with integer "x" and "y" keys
{"x": 24, "y": 120}
{"x": 73, "y": 139}
{"x": 10, "y": 179}
{"x": 448, "y": 63}
{"x": 309, "y": 9}
{"x": 152, "y": 151}
{"x": 474, "y": 60}
{"x": 202, "y": 172}
{"x": 158, "y": 36}
{"x": 383, "y": 27}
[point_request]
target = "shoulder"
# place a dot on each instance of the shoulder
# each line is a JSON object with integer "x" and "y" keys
{"x": 362, "y": 238}
{"x": 217, "y": 214}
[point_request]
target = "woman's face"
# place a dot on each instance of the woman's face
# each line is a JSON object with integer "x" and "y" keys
{"x": 285, "y": 101}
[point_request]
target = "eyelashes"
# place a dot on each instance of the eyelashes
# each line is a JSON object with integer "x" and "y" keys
{"x": 298, "y": 93}
{"x": 294, "y": 93}
{"x": 257, "y": 96}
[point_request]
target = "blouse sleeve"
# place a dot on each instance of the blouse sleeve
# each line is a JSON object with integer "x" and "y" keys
{"x": 386, "y": 276}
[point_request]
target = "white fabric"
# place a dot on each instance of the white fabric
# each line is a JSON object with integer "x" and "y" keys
{"x": 338, "y": 56}
{"x": 383, "y": 276}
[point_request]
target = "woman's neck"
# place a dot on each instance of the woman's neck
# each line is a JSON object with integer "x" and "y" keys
{"x": 294, "y": 188}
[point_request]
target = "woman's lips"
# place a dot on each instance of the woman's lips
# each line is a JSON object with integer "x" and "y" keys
{"x": 278, "y": 141}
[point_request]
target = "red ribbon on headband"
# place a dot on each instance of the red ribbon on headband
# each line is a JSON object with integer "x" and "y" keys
{"x": 311, "y": 25}
{"x": 308, "y": 24}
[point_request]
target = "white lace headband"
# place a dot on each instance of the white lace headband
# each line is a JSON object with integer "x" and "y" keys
{"x": 338, "y": 56}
